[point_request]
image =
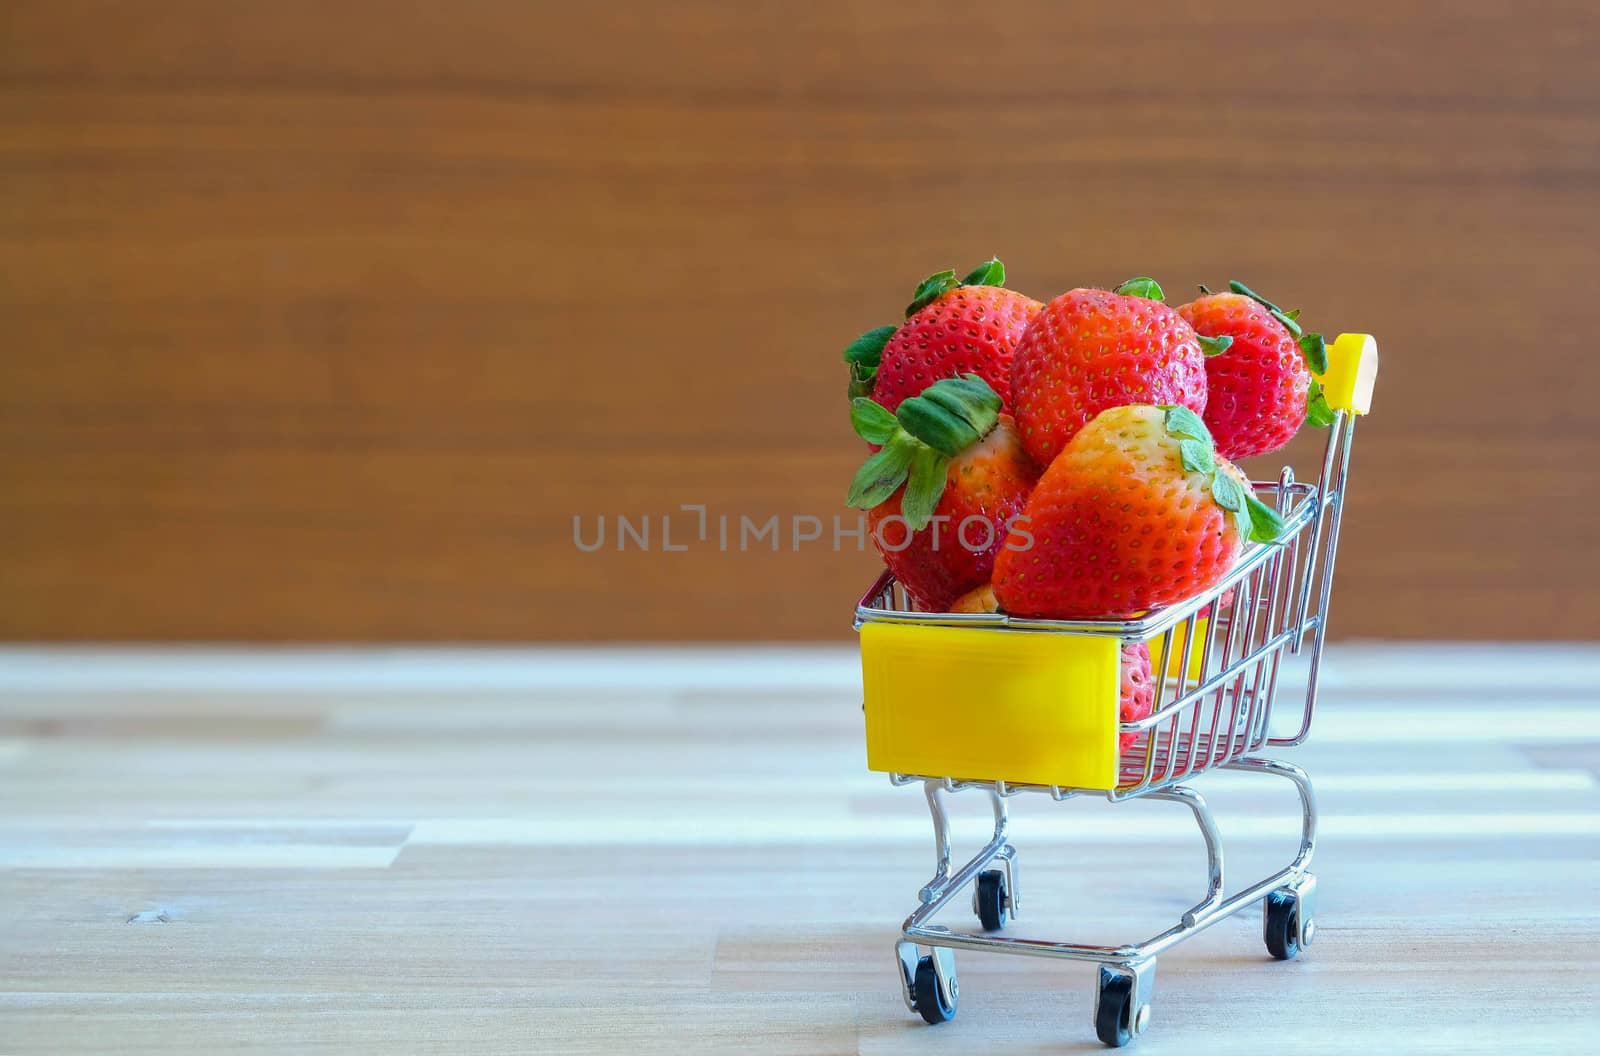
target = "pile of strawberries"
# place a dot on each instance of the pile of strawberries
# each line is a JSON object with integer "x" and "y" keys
{"x": 1072, "y": 460}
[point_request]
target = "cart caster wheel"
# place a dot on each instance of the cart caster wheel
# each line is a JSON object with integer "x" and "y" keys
{"x": 1281, "y": 924}
{"x": 1115, "y": 1021}
{"x": 989, "y": 899}
{"x": 931, "y": 1003}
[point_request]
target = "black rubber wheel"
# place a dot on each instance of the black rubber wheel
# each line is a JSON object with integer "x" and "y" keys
{"x": 931, "y": 1004}
{"x": 1113, "y": 1010}
{"x": 991, "y": 895}
{"x": 1281, "y": 925}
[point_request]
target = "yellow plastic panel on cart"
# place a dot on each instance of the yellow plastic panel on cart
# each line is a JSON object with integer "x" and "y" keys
{"x": 991, "y": 705}
{"x": 1352, "y": 372}
{"x": 1202, "y": 627}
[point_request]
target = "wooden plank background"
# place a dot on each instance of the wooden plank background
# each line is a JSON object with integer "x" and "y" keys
{"x": 322, "y": 320}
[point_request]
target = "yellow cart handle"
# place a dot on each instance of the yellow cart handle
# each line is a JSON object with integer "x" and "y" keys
{"x": 1352, "y": 372}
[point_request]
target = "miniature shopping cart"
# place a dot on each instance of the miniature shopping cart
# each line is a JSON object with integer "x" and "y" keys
{"x": 1048, "y": 724}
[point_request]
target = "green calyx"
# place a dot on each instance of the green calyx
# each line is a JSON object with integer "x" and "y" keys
{"x": 918, "y": 442}
{"x": 951, "y": 415}
{"x": 1313, "y": 346}
{"x": 1142, "y": 286}
{"x": 931, "y": 289}
{"x": 1214, "y": 346}
{"x": 990, "y": 273}
{"x": 863, "y": 355}
{"x": 1257, "y": 521}
{"x": 1319, "y": 415}
{"x": 1288, "y": 319}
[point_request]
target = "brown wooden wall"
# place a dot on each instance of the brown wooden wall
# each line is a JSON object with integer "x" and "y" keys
{"x": 321, "y": 320}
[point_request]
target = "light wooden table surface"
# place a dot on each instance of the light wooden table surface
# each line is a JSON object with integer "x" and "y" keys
{"x": 623, "y": 852}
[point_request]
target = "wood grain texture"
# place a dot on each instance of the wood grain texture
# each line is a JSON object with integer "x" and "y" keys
{"x": 323, "y": 320}
{"x": 603, "y": 852}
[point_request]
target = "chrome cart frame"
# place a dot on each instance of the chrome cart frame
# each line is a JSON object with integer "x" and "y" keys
{"x": 1209, "y": 714}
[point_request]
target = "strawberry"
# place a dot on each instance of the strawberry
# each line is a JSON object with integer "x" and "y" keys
{"x": 1137, "y": 693}
{"x": 1258, "y": 370}
{"x": 1093, "y": 349}
{"x": 978, "y": 599}
{"x": 952, "y": 328}
{"x": 942, "y": 491}
{"x": 1137, "y": 512}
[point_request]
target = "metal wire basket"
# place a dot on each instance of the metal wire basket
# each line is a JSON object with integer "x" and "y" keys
{"x": 1219, "y": 672}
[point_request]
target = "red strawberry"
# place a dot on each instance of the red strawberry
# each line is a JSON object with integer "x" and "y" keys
{"x": 943, "y": 489}
{"x": 951, "y": 328}
{"x": 1258, "y": 374}
{"x": 1138, "y": 690}
{"x": 1093, "y": 349}
{"x": 1138, "y": 512}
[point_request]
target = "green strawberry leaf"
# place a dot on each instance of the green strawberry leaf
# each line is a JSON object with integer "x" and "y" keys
{"x": 1318, "y": 414}
{"x": 1228, "y": 492}
{"x": 882, "y": 473}
{"x": 990, "y": 273}
{"x": 1143, "y": 286}
{"x": 1265, "y": 523}
{"x": 968, "y": 397}
{"x": 872, "y": 421}
{"x": 1315, "y": 349}
{"x": 931, "y": 289}
{"x": 1181, "y": 421}
{"x": 936, "y": 425}
{"x": 867, "y": 349}
{"x": 1288, "y": 319}
{"x": 1197, "y": 457}
{"x": 1288, "y": 324}
{"x": 863, "y": 355}
{"x": 861, "y": 380}
{"x": 1214, "y": 346}
{"x": 1238, "y": 287}
{"x": 921, "y": 498}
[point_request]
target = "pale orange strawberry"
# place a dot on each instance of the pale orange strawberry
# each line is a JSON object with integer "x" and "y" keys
{"x": 1138, "y": 511}
{"x": 979, "y": 599}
